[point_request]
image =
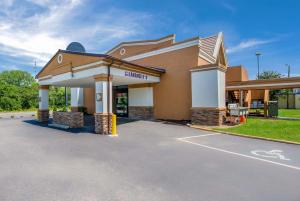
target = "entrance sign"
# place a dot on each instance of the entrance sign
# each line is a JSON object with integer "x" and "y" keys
{"x": 277, "y": 154}
{"x": 136, "y": 75}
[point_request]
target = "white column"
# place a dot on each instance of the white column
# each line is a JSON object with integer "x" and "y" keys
{"x": 43, "y": 98}
{"x": 77, "y": 97}
{"x": 101, "y": 96}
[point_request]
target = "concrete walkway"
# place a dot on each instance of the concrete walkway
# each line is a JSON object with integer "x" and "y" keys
{"x": 11, "y": 115}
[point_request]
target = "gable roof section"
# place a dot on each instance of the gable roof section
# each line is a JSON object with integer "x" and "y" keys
{"x": 210, "y": 47}
{"x": 143, "y": 42}
{"x": 175, "y": 46}
{"x": 104, "y": 57}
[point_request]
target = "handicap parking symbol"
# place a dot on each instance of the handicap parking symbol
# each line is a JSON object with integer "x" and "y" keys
{"x": 277, "y": 154}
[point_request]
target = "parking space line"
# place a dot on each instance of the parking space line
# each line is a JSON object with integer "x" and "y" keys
{"x": 182, "y": 138}
{"x": 238, "y": 154}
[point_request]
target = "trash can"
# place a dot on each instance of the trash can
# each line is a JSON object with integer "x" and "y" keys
{"x": 273, "y": 108}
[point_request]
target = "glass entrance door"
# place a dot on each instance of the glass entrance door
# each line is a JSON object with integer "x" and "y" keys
{"x": 121, "y": 102}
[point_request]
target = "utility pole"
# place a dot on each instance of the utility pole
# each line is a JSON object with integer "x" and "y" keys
{"x": 288, "y": 90}
{"x": 258, "y": 54}
{"x": 34, "y": 68}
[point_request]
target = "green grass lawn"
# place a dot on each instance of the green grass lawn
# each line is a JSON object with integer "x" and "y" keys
{"x": 275, "y": 129}
{"x": 293, "y": 113}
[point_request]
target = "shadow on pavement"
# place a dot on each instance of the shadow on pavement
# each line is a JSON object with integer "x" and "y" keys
{"x": 89, "y": 125}
{"x": 85, "y": 129}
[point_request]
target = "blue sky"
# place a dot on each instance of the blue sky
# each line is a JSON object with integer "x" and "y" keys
{"x": 34, "y": 29}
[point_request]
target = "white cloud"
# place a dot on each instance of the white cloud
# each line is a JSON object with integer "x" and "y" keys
{"x": 248, "y": 44}
{"x": 38, "y": 34}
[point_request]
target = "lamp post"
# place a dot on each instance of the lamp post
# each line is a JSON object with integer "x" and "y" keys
{"x": 289, "y": 69}
{"x": 258, "y": 55}
{"x": 288, "y": 91}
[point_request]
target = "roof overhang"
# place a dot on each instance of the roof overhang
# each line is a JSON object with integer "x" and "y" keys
{"x": 279, "y": 83}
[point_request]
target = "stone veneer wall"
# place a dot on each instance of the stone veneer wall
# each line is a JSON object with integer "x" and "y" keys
{"x": 72, "y": 119}
{"x": 103, "y": 123}
{"x": 208, "y": 116}
{"x": 78, "y": 109}
{"x": 43, "y": 115}
{"x": 140, "y": 112}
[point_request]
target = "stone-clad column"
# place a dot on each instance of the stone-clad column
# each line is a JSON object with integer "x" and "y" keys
{"x": 103, "y": 115}
{"x": 208, "y": 96}
{"x": 77, "y": 101}
{"x": 43, "y": 111}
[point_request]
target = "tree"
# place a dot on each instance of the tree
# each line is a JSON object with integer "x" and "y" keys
{"x": 18, "y": 90}
{"x": 266, "y": 75}
{"x": 17, "y": 78}
{"x": 57, "y": 97}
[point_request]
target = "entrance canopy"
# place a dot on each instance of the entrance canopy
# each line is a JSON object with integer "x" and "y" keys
{"x": 74, "y": 69}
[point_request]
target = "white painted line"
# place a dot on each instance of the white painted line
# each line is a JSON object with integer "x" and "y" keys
{"x": 182, "y": 138}
{"x": 242, "y": 155}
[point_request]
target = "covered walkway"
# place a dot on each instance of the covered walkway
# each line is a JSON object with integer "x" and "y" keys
{"x": 247, "y": 91}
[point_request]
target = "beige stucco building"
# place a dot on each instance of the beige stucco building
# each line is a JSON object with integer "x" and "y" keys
{"x": 152, "y": 79}
{"x": 161, "y": 79}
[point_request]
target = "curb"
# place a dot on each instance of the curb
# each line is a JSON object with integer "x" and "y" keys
{"x": 246, "y": 136}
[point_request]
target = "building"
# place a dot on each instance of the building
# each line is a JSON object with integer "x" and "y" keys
{"x": 161, "y": 79}
{"x": 150, "y": 79}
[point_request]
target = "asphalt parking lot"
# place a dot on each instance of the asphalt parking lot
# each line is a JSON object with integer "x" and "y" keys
{"x": 148, "y": 161}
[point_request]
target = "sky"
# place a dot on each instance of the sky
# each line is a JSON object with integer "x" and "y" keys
{"x": 33, "y": 30}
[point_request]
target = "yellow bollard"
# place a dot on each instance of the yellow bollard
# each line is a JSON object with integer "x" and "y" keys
{"x": 114, "y": 125}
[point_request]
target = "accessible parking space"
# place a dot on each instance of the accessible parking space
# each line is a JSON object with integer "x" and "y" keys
{"x": 276, "y": 153}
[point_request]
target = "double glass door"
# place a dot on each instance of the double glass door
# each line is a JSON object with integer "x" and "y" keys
{"x": 121, "y": 102}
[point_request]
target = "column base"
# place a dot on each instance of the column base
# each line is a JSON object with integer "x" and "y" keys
{"x": 43, "y": 115}
{"x": 208, "y": 116}
{"x": 103, "y": 123}
{"x": 140, "y": 112}
{"x": 78, "y": 109}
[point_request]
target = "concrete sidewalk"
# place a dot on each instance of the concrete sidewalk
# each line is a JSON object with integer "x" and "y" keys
{"x": 11, "y": 115}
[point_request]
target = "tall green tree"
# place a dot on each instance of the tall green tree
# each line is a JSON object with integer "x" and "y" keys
{"x": 18, "y": 90}
{"x": 17, "y": 78}
{"x": 266, "y": 75}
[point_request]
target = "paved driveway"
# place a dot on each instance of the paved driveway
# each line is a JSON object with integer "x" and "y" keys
{"x": 148, "y": 161}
